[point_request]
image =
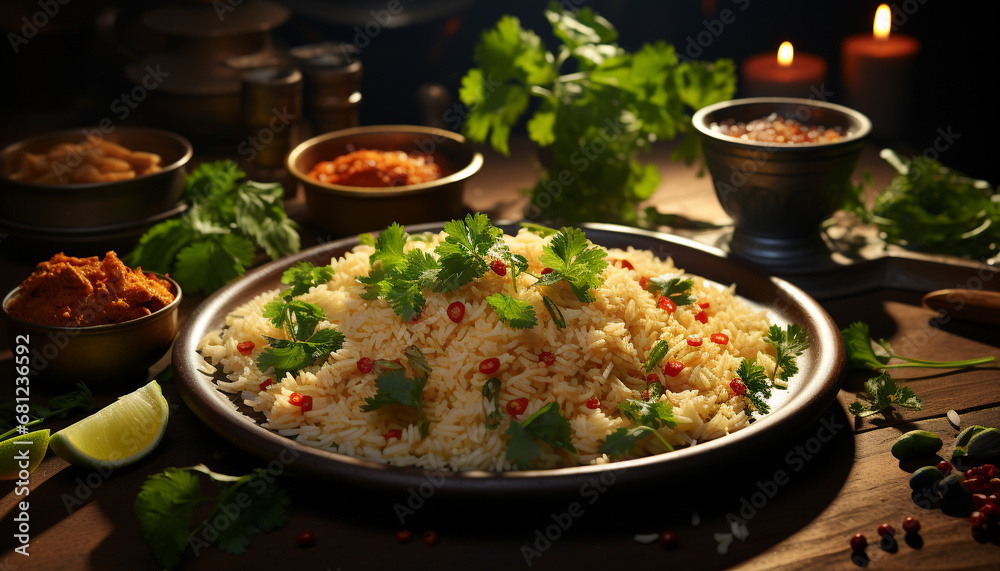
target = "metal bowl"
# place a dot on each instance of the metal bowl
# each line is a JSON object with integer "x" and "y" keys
{"x": 99, "y": 355}
{"x": 95, "y": 204}
{"x": 345, "y": 210}
{"x": 778, "y": 194}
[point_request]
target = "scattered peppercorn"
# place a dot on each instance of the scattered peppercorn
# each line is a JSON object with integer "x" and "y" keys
{"x": 911, "y": 525}
{"x": 858, "y": 542}
{"x": 668, "y": 539}
{"x": 306, "y": 539}
{"x": 404, "y": 536}
{"x": 430, "y": 537}
{"x": 886, "y": 530}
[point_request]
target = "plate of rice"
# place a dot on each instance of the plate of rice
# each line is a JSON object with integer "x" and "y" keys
{"x": 547, "y": 362}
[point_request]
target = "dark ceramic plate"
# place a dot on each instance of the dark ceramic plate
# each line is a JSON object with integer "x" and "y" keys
{"x": 812, "y": 389}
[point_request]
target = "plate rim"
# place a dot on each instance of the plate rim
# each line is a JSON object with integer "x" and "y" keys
{"x": 213, "y": 408}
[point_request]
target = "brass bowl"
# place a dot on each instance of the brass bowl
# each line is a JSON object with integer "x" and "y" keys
{"x": 346, "y": 210}
{"x": 778, "y": 194}
{"x": 99, "y": 355}
{"x": 95, "y": 204}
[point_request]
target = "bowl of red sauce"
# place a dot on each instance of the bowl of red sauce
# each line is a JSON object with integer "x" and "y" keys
{"x": 780, "y": 167}
{"x": 365, "y": 178}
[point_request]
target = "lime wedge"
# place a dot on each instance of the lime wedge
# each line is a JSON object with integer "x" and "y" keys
{"x": 22, "y": 454}
{"x": 118, "y": 434}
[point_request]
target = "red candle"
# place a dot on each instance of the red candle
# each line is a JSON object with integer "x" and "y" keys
{"x": 876, "y": 70}
{"x": 783, "y": 73}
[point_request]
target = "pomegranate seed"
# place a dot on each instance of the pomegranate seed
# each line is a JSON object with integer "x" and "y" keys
{"x": 858, "y": 542}
{"x": 911, "y": 525}
{"x": 704, "y": 304}
{"x": 991, "y": 512}
{"x": 306, "y": 539}
{"x": 499, "y": 268}
{"x": 394, "y": 433}
{"x": 404, "y": 536}
{"x": 263, "y": 386}
{"x": 489, "y": 366}
{"x": 430, "y": 537}
{"x": 979, "y": 500}
{"x": 886, "y": 530}
{"x": 517, "y": 407}
{"x": 977, "y": 519}
{"x": 945, "y": 467}
{"x": 645, "y": 394}
{"x": 994, "y": 485}
{"x": 719, "y": 338}
{"x": 702, "y": 317}
{"x": 456, "y": 311}
{"x": 365, "y": 365}
{"x": 593, "y": 402}
{"x": 667, "y": 305}
{"x": 546, "y": 271}
{"x": 307, "y": 403}
{"x": 975, "y": 483}
{"x": 547, "y": 358}
{"x": 974, "y": 471}
{"x": 643, "y": 281}
{"x": 245, "y": 348}
{"x": 295, "y": 399}
{"x": 738, "y": 387}
{"x": 988, "y": 470}
{"x": 668, "y": 539}
{"x": 652, "y": 378}
{"x": 673, "y": 368}
{"x": 695, "y": 341}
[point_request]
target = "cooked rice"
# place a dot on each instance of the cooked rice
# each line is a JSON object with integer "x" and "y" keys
{"x": 600, "y": 353}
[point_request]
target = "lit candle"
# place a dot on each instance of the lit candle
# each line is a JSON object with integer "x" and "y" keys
{"x": 783, "y": 73}
{"x": 876, "y": 71}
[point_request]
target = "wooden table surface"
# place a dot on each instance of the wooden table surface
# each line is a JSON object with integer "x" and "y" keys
{"x": 800, "y": 498}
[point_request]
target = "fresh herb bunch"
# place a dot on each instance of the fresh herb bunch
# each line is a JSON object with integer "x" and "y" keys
{"x": 298, "y": 320}
{"x": 597, "y": 105}
{"x": 929, "y": 207}
{"x": 167, "y": 501}
{"x": 216, "y": 239}
{"x": 882, "y": 393}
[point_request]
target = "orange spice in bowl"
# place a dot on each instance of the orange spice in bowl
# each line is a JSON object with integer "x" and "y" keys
{"x": 374, "y": 168}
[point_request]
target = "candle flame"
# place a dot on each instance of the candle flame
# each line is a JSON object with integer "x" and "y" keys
{"x": 785, "y": 54}
{"x": 883, "y": 21}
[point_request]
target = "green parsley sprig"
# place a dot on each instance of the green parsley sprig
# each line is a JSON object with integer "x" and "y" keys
{"x": 882, "y": 393}
{"x": 758, "y": 386}
{"x": 392, "y": 386}
{"x": 864, "y": 353}
{"x": 647, "y": 418}
{"x": 298, "y": 320}
{"x": 788, "y": 344}
{"x": 547, "y": 426}
{"x": 166, "y": 504}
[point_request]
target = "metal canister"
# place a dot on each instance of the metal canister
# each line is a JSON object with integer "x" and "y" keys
{"x": 272, "y": 104}
{"x": 332, "y": 76}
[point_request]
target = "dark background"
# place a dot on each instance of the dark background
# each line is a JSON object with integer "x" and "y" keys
{"x": 67, "y": 75}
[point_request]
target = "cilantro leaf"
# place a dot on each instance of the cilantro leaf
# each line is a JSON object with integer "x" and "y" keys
{"x": 622, "y": 441}
{"x": 304, "y": 276}
{"x": 546, "y": 425}
{"x": 211, "y": 262}
{"x": 882, "y": 393}
{"x": 512, "y": 311}
{"x": 674, "y": 289}
{"x": 491, "y": 397}
{"x": 656, "y": 354}
{"x": 463, "y": 253}
{"x": 573, "y": 260}
{"x": 267, "y": 510}
{"x": 788, "y": 344}
{"x": 864, "y": 353}
{"x": 287, "y": 356}
{"x": 393, "y": 387}
{"x": 758, "y": 386}
{"x": 165, "y": 507}
{"x": 647, "y": 418}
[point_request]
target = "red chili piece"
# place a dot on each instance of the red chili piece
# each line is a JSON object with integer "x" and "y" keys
{"x": 643, "y": 281}
{"x": 720, "y": 338}
{"x": 394, "y": 433}
{"x": 307, "y": 403}
{"x": 306, "y": 539}
{"x": 593, "y": 402}
{"x": 695, "y": 341}
{"x": 858, "y": 542}
{"x": 295, "y": 399}
{"x": 263, "y": 386}
{"x": 245, "y": 348}
{"x": 546, "y": 271}
{"x": 365, "y": 365}
{"x": 911, "y": 525}
{"x": 668, "y": 539}
{"x": 666, "y": 304}
{"x": 738, "y": 387}
{"x": 886, "y": 530}
{"x": 645, "y": 394}
{"x": 456, "y": 311}
{"x": 404, "y": 536}
{"x": 547, "y": 358}
{"x": 517, "y": 407}
{"x": 627, "y": 265}
{"x": 489, "y": 366}
{"x": 673, "y": 368}
{"x": 704, "y": 304}
{"x": 499, "y": 268}
{"x": 702, "y": 317}
{"x": 430, "y": 537}
{"x": 652, "y": 378}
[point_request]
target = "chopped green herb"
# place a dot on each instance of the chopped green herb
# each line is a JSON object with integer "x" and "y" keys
{"x": 546, "y": 426}
{"x": 573, "y": 261}
{"x": 758, "y": 386}
{"x": 512, "y": 311}
{"x": 491, "y": 397}
{"x": 543, "y": 231}
{"x": 304, "y": 276}
{"x": 554, "y": 312}
{"x": 647, "y": 418}
{"x": 788, "y": 345}
{"x": 864, "y": 353}
{"x": 881, "y": 392}
{"x": 656, "y": 354}
{"x": 674, "y": 289}
{"x": 392, "y": 386}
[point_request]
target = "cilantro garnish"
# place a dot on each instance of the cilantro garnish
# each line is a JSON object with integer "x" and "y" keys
{"x": 546, "y": 426}
{"x": 392, "y": 386}
{"x": 788, "y": 345}
{"x": 512, "y": 311}
{"x": 864, "y": 353}
{"x": 216, "y": 239}
{"x": 674, "y": 289}
{"x": 758, "y": 386}
{"x": 166, "y": 504}
{"x": 656, "y": 354}
{"x": 298, "y": 320}
{"x": 491, "y": 395}
{"x": 647, "y": 418}
{"x": 573, "y": 261}
{"x": 881, "y": 392}
{"x": 467, "y": 246}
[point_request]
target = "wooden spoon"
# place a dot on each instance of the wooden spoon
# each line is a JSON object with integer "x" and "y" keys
{"x": 980, "y": 306}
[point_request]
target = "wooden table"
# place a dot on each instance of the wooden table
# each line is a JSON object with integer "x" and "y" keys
{"x": 800, "y": 498}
